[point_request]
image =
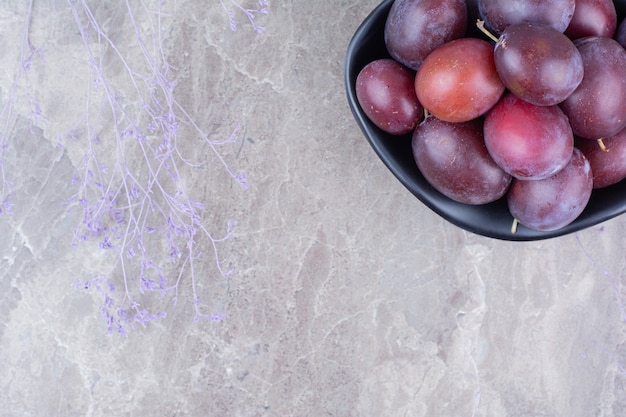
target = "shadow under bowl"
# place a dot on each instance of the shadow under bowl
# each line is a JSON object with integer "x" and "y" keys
{"x": 490, "y": 220}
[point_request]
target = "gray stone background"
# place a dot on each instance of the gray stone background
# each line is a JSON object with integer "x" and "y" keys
{"x": 337, "y": 293}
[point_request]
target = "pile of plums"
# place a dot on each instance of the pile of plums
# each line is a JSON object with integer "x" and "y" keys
{"x": 516, "y": 99}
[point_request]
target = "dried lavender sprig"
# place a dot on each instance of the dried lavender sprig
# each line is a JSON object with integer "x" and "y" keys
{"x": 249, "y": 12}
{"x": 132, "y": 202}
{"x": 117, "y": 318}
{"x": 166, "y": 87}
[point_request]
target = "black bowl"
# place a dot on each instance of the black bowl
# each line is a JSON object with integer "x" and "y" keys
{"x": 491, "y": 220}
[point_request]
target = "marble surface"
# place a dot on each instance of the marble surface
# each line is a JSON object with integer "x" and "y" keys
{"x": 316, "y": 285}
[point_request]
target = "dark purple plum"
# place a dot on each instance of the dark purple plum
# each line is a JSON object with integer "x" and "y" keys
{"x": 499, "y": 14}
{"x": 414, "y": 28}
{"x": 608, "y": 162}
{"x": 592, "y": 18}
{"x": 385, "y": 89}
{"x": 527, "y": 141}
{"x": 453, "y": 158}
{"x": 553, "y": 202}
{"x": 538, "y": 63}
{"x": 597, "y": 108}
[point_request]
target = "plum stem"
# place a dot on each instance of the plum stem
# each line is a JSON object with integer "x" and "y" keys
{"x": 514, "y": 226}
{"x": 481, "y": 25}
{"x": 602, "y": 145}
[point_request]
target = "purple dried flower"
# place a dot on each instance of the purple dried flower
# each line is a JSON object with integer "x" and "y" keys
{"x": 139, "y": 208}
{"x": 250, "y": 13}
{"x": 118, "y": 215}
{"x": 6, "y": 205}
{"x": 146, "y": 284}
{"x": 106, "y": 243}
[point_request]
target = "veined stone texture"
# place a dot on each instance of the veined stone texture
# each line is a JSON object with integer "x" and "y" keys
{"x": 126, "y": 130}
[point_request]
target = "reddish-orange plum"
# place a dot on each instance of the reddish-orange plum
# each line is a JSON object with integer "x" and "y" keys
{"x": 458, "y": 81}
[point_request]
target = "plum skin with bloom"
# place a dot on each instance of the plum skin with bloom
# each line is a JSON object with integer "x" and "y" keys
{"x": 454, "y": 160}
{"x": 385, "y": 91}
{"x": 556, "y": 201}
{"x": 538, "y": 63}
{"x": 608, "y": 162}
